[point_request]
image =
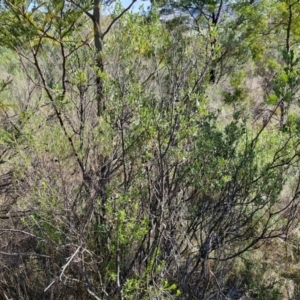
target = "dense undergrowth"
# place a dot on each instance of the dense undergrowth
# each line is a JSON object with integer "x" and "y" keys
{"x": 158, "y": 163}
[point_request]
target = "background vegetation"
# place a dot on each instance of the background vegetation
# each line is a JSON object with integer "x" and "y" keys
{"x": 142, "y": 159}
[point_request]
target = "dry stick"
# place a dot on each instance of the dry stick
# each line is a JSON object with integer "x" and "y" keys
{"x": 219, "y": 288}
{"x": 24, "y": 254}
{"x": 68, "y": 262}
{"x": 49, "y": 286}
{"x": 93, "y": 294}
{"x": 63, "y": 270}
{"x": 16, "y": 230}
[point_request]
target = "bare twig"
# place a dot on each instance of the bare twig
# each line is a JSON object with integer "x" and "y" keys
{"x": 117, "y": 18}
{"x": 49, "y": 286}
{"x": 24, "y": 254}
{"x": 16, "y": 230}
{"x": 68, "y": 262}
{"x": 219, "y": 288}
{"x": 93, "y": 294}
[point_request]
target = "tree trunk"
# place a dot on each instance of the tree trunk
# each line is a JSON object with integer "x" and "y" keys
{"x": 99, "y": 61}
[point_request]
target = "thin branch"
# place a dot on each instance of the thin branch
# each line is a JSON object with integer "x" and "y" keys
{"x": 23, "y": 254}
{"x": 117, "y": 18}
{"x": 85, "y": 11}
{"x": 219, "y": 288}
{"x": 94, "y": 295}
{"x": 68, "y": 263}
{"x": 16, "y": 230}
{"x": 49, "y": 286}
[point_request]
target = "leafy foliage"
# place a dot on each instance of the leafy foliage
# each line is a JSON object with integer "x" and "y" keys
{"x": 118, "y": 178}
